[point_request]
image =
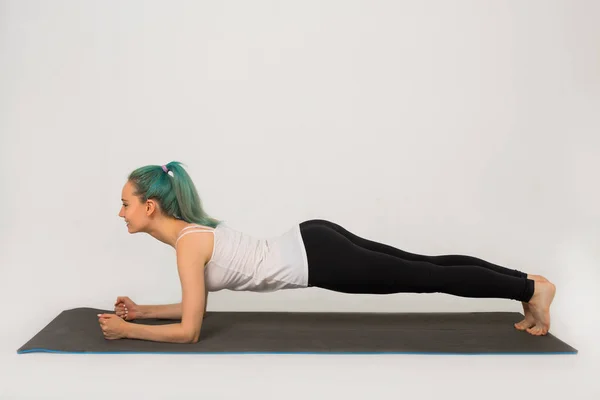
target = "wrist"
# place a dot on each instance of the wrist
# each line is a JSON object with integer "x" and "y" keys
{"x": 127, "y": 331}
{"x": 143, "y": 312}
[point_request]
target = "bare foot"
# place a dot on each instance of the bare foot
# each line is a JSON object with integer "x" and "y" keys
{"x": 539, "y": 305}
{"x": 529, "y": 320}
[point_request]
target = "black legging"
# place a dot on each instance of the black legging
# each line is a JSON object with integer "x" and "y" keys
{"x": 341, "y": 261}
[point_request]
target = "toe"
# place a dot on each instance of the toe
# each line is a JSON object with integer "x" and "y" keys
{"x": 518, "y": 326}
{"x": 521, "y": 325}
{"x": 538, "y": 331}
{"x": 524, "y": 324}
{"x": 534, "y": 330}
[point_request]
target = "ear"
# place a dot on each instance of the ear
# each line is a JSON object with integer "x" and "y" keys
{"x": 151, "y": 207}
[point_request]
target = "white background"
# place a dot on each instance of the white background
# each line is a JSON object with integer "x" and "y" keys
{"x": 439, "y": 127}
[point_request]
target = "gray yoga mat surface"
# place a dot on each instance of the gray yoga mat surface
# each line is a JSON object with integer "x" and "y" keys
{"x": 77, "y": 331}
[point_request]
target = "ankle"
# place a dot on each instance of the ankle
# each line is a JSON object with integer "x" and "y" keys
{"x": 540, "y": 289}
{"x": 534, "y": 288}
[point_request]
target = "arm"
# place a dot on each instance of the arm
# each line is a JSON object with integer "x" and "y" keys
{"x": 190, "y": 265}
{"x": 174, "y": 333}
{"x": 205, "y": 300}
{"x": 164, "y": 311}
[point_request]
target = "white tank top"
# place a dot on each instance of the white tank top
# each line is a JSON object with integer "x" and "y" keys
{"x": 242, "y": 262}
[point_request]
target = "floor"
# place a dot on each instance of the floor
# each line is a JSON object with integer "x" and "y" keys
{"x": 148, "y": 376}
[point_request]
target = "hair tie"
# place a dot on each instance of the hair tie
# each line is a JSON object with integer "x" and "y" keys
{"x": 164, "y": 167}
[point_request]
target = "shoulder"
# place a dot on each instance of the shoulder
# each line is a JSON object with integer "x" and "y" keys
{"x": 195, "y": 248}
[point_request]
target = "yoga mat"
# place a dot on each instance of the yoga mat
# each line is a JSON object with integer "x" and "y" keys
{"x": 77, "y": 331}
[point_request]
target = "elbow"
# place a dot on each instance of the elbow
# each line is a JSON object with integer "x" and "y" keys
{"x": 189, "y": 333}
{"x": 193, "y": 338}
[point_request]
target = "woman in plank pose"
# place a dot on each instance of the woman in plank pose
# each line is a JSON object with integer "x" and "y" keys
{"x": 163, "y": 202}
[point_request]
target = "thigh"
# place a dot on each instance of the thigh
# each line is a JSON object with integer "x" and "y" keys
{"x": 336, "y": 263}
{"x": 444, "y": 260}
{"x": 368, "y": 244}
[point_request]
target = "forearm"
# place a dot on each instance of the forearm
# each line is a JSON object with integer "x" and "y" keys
{"x": 172, "y": 333}
{"x": 164, "y": 311}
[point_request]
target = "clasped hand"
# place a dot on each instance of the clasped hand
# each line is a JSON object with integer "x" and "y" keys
{"x": 113, "y": 326}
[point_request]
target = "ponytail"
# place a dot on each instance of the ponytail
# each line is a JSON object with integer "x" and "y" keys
{"x": 174, "y": 190}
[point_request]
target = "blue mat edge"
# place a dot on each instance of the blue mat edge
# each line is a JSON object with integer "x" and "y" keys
{"x": 294, "y": 352}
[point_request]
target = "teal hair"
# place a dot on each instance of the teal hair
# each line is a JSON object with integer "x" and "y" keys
{"x": 176, "y": 194}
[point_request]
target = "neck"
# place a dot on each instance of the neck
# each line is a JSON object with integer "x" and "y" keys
{"x": 167, "y": 230}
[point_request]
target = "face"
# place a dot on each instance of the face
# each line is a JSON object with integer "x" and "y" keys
{"x": 132, "y": 210}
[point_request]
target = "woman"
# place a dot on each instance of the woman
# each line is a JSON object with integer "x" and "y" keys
{"x": 163, "y": 202}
